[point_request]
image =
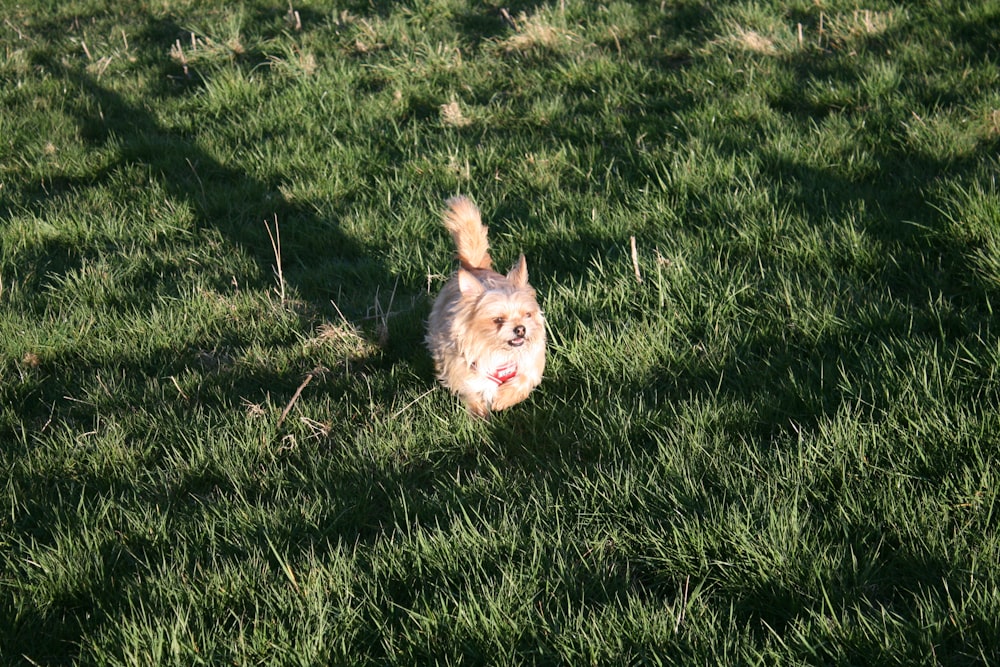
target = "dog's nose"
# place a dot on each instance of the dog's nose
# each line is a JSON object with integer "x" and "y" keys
{"x": 519, "y": 331}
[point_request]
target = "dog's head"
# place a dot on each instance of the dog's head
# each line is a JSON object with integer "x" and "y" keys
{"x": 502, "y": 311}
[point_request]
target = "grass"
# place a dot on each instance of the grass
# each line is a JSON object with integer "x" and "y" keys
{"x": 778, "y": 447}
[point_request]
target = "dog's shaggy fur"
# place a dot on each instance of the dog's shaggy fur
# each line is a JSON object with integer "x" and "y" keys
{"x": 486, "y": 331}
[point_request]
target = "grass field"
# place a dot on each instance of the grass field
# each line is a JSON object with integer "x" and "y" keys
{"x": 768, "y": 437}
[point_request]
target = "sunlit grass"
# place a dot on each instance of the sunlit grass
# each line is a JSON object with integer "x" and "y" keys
{"x": 766, "y": 436}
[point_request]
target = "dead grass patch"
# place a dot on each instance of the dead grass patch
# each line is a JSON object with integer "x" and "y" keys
{"x": 343, "y": 337}
{"x": 536, "y": 33}
{"x": 860, "y": 24}
{"x": 452, "y": 116}
{"x": 751, "y": 40}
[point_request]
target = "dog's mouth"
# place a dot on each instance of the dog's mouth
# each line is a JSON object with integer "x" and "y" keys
{"x": 516, "y": 342}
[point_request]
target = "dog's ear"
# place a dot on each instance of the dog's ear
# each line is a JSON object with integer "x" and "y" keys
{"x": 468, "y": 284}
{"x": 518, "y": 273}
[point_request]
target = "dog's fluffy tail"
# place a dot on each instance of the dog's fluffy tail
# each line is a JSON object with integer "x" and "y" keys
{"x": 463, "y": 221}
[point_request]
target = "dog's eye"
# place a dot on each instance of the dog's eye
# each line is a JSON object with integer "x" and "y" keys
{"x": 528, "y": 315}
{"x": 498, "y": 321}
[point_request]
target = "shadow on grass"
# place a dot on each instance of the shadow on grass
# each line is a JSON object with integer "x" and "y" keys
{"x": 535, "y": 440}
{"x": 789, "y": 384}
{"x": 321, "y": 263}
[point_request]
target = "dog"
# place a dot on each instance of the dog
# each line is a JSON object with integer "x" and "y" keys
{"x": 486, "y": 331}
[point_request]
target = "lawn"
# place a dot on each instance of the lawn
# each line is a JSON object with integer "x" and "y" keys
{"x": 766, "y": 237}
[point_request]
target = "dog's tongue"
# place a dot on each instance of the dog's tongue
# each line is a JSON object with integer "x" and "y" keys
{"x": 516, "y": 342}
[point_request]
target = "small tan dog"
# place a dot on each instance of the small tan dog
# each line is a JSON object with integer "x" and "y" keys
{"x": 486, "y": 331}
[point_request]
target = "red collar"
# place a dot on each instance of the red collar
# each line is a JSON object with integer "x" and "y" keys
{"x": 504, "y": 373}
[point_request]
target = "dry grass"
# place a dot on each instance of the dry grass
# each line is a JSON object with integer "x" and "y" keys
{"x": 992, "y": 124}
{"x": 452, "y": 116}
{"x": 536, "y": 33}
{"x": 294, "y": 63}
{"x": 751, "y": 40}
{"x": 840, "y": 31}
{"x": 860, "y": 24}
{"x": 345, "y": 338}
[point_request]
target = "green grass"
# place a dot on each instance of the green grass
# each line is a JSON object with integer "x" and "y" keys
{"x": 779, "y": 447}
